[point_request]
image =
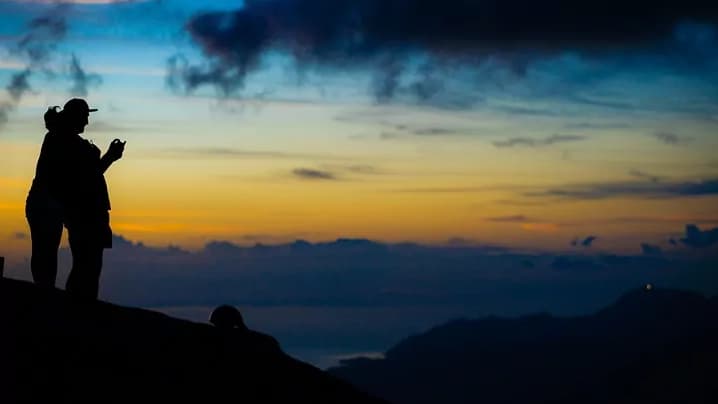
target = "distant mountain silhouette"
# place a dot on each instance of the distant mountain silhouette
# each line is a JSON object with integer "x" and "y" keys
{"x": 56, "y": 349}
{"x": 651, "y": 346}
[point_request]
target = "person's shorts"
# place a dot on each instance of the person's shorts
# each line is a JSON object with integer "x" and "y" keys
{"x": 90, "y": 229}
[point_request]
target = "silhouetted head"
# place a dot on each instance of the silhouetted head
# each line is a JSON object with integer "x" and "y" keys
{"x": 75, "y": 115}
{"x": 53, "y": 119}
{"x": 227, "y": 317}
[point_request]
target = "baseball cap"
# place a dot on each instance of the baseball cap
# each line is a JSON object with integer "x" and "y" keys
{"x": 77, "y": 106}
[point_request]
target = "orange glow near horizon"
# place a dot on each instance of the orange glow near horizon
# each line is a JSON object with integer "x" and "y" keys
{"x": 186, "y": 185}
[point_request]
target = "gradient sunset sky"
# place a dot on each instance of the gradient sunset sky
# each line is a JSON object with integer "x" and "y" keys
{"x": 526, "y": 139}
{"x": 504, "y": 156}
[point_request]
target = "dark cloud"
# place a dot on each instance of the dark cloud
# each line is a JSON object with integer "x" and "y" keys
{"x": 344, "y": 272}
{"x": 531, "y": 142}
{"x": 658, "y": 219}
{"x": 183, "y": 77}
{"x": 671, "y": 138}
{"x": 588, "y": 241}
{"x": 38, "y": 46}
{"x": 460, "y": 242}
{"x": 649, "y": 249}
{"x": 389, "y": 283}
{"x": 19, "y": 85}
{"x": 81, "y": 80}
{"x": 697, "y": 238}
{"x": 424, "y": 131}
{"x": 564, "y": 263}
{"x": 509, "y": 219}
{"x": 387, "y": 80}
{"x": 387, "y": 33}
{"x": 37, "y": 49}
{"x": 312, "y": 174}
{"x": 347, "y": 171}
{"x": 643, "y": 175}
{"x": 260, "y": 238}
{"x": 5, "y": 109}
{"x": 651, "y": 189}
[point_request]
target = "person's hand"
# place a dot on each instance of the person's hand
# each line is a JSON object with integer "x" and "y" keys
{"x": 117, "y": 147}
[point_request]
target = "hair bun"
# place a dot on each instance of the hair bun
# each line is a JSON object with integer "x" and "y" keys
{"x": 52, "y": 118}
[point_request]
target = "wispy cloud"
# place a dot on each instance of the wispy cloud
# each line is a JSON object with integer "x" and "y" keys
{"x": 588, "y": 241}
{"x": 659, "y": 219}
{"x": 533, "y": 142}
{"x": 468, "y": 189}
{"x": 650, "y": 249}
{"x": 102, "y": 126}
{"x": 671, "y": 138}
{"x": 354, "y": 169}
{"x": 596, "y": 126}
{"x": 521, "y": 202}
{"x": 19, "y": 85}
{"x": 312, "y": 174}
{"x": 605, "y": 103}
{"x": 37, "y": 51}
{"x": 77, "y": 1}
{"x": 434, "y": 131}
{"x": 651, "y": 189}
{"x": 527, "y": 111}
{"x": 230, "y": 153}
{"x": 510, "y": 219}
{"x": 644, "y": 175}
{"x": 81, "y": 80}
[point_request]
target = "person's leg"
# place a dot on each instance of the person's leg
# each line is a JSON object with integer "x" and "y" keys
{"x": 45, "y": 234}
{"x": 84, "y": 279}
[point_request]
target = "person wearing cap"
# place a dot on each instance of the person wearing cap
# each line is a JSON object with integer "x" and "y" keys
{"x": 69, "y": 188}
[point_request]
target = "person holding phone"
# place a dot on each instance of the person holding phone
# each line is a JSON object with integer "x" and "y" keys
{"x": 69, "y": 185}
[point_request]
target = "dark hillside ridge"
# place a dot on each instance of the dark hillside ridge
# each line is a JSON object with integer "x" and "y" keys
{"x": 650, "y": 346}
{"x": 56, "y": 349}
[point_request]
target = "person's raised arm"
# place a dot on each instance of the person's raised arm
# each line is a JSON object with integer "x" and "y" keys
{"x": 113, "y": 154}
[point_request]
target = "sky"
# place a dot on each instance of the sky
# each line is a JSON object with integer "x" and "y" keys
{"x": 544, "y": 134}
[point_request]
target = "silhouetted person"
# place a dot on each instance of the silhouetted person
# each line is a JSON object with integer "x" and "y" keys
{"x": 70, "y": 188}
{"x": 229, "y": 320}
{"x": 43, "y": 209}
{"x": 227, "y": 317}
